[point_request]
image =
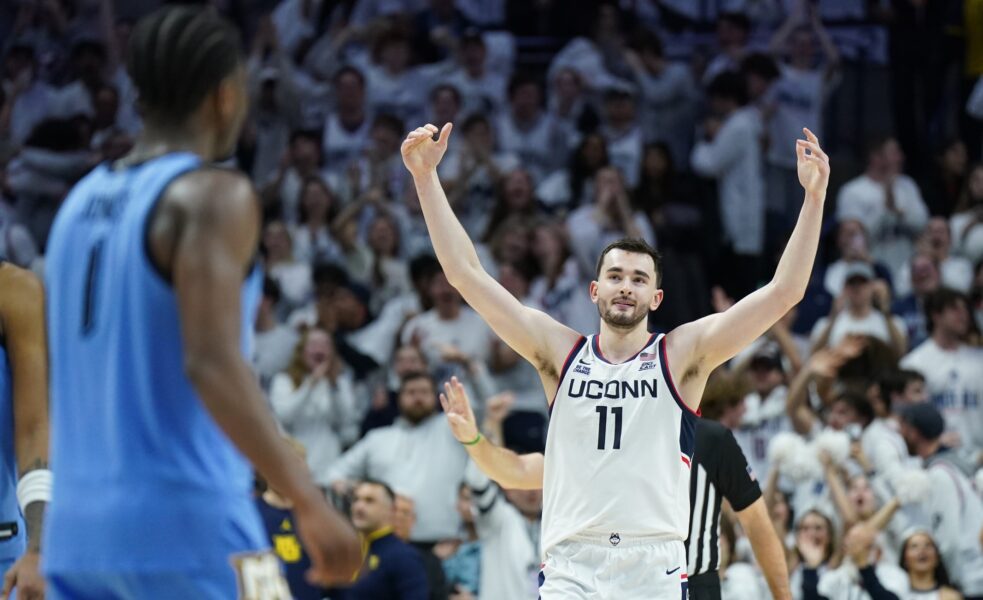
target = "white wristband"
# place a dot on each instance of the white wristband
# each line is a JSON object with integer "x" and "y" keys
{"x": 35, "y": 486}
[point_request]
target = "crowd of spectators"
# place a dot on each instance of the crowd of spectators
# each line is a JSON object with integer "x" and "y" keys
{"x": 577, "y": 123}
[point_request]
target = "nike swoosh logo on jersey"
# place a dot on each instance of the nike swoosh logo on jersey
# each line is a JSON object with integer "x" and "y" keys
{"x": 673, "y": 571}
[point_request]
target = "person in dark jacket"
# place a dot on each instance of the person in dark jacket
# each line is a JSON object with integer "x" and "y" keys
{"x": 393, "y": 570}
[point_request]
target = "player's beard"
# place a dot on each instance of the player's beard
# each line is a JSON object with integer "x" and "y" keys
{"x": 621, "y": 320}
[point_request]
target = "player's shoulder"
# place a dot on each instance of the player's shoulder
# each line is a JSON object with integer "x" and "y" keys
{"x": 211, "y": 189}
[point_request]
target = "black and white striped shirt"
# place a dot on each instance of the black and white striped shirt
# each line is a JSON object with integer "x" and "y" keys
{"x": 719, "y": 471}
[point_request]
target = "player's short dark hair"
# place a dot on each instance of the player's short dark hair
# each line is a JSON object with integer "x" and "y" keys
{"x": 177, "y": 56}
{"x": 939, "y": 300}
{"x": 728, "y": 86}
{"x": 636, "y": 246}
{"x": 385, "y": 487}
{"x": 415, "y": 376}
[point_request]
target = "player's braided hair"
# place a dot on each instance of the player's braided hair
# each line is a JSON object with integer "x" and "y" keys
{"x": 177, "y": 56}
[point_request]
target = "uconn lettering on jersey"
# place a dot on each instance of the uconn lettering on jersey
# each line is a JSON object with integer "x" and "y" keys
{"x": 595, "y": 390}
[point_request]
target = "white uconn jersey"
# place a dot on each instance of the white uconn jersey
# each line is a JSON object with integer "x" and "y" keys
{"x": 618, "y": 449}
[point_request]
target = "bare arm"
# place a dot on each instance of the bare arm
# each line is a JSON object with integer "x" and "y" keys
{"x": 838, "y": 491}
{"x": 768, "y": 549}
{"x": 506, "y": 468}
{"x": 537, "y": 337}
{"x": 213, "y": 248}
{"x": 22, "y": 332}
{"x": 22, "y": 328}
{"x": 703, "y": 345}
{"x": 796, "y": 404}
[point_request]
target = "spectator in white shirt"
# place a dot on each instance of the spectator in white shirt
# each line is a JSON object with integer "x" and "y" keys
{"x": 863, "y": 308}
{"x": 733, "y": 29}
{"x": 558, "y": 290}
{"x": 528, "y": 131}
{"x": 729, "y": 153}
{"x": 608, "y": 218}
{"x": 314, "y": 400}
{"x": 952, "y": 369}
{"x": 623, "y": 134}
{"x": 570, "y": 103}
{"x": 482, "y": 90}
{"x": 303, "y": 160}
{"x": 312, "y": 239}
{"x": 30, "y": 99}
{"x": 797, "y": 99}
{"x": 853, "y": 245}
{"x": 346, "y": 129}
{"x": 668, "y": 96}
{"x": 887, "y": 202}
{"x": 967, "y": 221}
{"x": 935, "y": 242}
{"x": 294, "y": 276}
{"x": 954, "y": 509}
{"x": 417, "y": 456}
{"x": 450, "y": 334}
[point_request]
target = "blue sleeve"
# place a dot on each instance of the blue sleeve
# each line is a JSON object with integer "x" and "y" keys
{"x": 873, "y": 585}
{"x": 411, "y": 577}
{"x": 810, "y": 585}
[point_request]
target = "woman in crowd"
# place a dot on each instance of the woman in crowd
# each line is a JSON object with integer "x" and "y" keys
{"x": 313, "y": 242}
{"x": 314, "y": 400}
{"x": 927, "y": 576}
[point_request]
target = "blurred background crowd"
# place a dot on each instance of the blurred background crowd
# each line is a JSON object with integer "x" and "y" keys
{"x": 578, "y": 122}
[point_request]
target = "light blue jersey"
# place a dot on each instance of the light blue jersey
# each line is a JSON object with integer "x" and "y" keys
{"x": 13, "y": 540}
{"x": 145, "y": 481}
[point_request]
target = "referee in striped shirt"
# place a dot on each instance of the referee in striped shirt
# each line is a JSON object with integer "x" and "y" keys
{"x": 720, "y": 472}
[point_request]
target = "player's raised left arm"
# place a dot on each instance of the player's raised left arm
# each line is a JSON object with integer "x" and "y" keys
{"x": 708, "y": 342}
{"x": 22, "y": 322}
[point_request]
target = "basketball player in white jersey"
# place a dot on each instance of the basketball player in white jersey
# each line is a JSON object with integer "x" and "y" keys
{"x": 623, "y": 402}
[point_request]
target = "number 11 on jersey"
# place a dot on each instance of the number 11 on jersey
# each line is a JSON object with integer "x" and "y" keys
{"x": 602, "y": 428}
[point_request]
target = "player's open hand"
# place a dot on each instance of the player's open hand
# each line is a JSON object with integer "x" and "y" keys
{"x": 330, "y": 542}
{"x": 421, "y": 154}
{"x": 457, "y": 407}
{"x": 813, "y": 165}
{"x": 26, "y": 576}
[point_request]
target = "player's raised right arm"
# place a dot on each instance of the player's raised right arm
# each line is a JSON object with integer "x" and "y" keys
{"x": 537, "y": 337}
{"x": 214, "y": 217}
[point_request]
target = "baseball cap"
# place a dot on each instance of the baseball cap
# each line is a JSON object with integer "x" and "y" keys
{"x": 768, "y": 356}
{"x": 858, "y": 269}
{"x": 925, "y": 418}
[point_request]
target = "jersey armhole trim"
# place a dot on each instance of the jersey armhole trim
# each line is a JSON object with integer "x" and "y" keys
{"x": 667, "y": 375}
{"x": 578, "y": 345}
{"x": 154, "y": 206}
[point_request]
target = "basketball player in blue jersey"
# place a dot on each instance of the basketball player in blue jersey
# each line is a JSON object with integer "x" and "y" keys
{"x": 152, "y": 287}
{"x": 25, "y": 481}
{"x": 623, "y": 402}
